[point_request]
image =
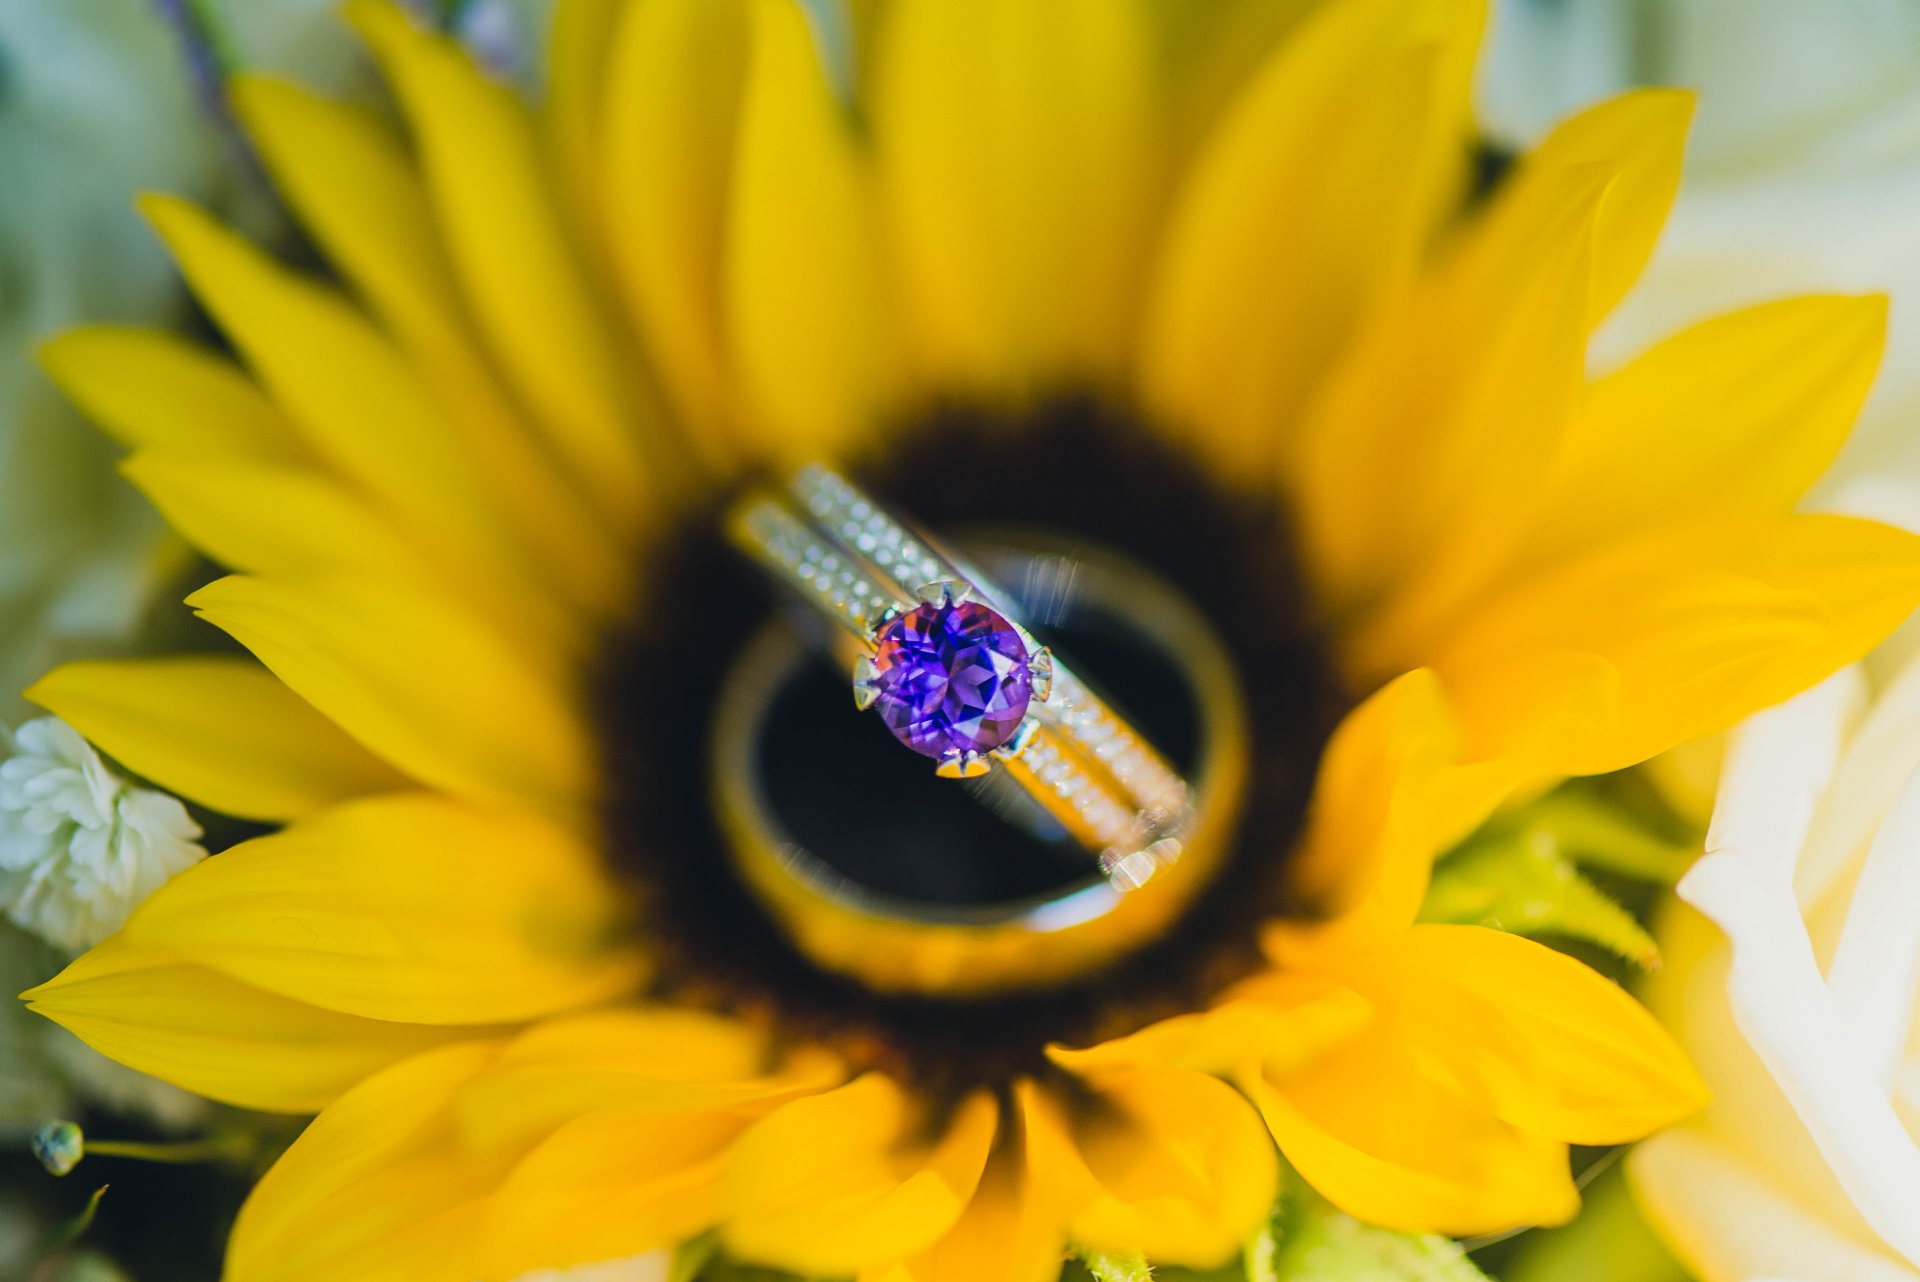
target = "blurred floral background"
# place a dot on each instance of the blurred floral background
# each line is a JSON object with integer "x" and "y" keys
{"x": 100, "y": 100}
{"x": 1788, "y": 963}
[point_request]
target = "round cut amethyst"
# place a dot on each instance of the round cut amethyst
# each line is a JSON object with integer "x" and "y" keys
{"x": 951, "y": 678}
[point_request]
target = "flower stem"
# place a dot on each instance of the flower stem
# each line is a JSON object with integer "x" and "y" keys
{"x": 212, "y": 1149}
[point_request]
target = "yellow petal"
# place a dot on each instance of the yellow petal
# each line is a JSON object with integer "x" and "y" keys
{"x": 1619, "y": 656}
{"x": 422, "y": 683}
{"x": 660, "y": 1059}
{"x": 805, "y": 298}
{"x": 653, "y": 1044}
{"x": 1393, "y": 792}
{"x": 631, "y": 1114}
{"x": 674, "y": 81}
{"x": 220, "y": 731}
{"x": 409, "y": 907}
{"x": 264, "y": 518}
{"x": 491, "y": 191}
{"x": 350, "y": 392}
{"x": 1019, "y": 156}
{"x": 1278, "y": 1018}
{"x": 1740, "y": 414}
{"x": 830, "y": 1184}
{"x": 1439, "y": 430}
{"x": 1214, "y": 51}
{"x": 379, "y": 1188}
{"x": 153, "y": 389}
{"x": 217, "y": 1036}
{"x": 1553, "y": 1048}
{"x": 611, "y": 1185}
{"x": 578, "y": 38}
{"x": 1006, "y": 1233}
{"x": 1309, "y": 207}
{"x": 355, "y": 399}
{"x": 354, "y": 187}
{"x": 457, "y": 1165}
{"x": 1166, "y": 1163}
{"x": 1382, "y": 1137}
{"x": 1641, "y": 136}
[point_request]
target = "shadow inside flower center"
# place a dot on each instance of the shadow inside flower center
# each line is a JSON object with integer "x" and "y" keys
{"x": 874, "y": 812}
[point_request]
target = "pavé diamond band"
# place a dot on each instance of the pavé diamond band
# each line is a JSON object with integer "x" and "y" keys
{"x": 943, "y": 658}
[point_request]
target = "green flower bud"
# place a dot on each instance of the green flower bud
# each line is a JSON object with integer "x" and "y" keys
{"x": 59, "y": 1145}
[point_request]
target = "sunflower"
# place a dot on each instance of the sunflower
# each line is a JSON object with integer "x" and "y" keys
{"x": 1237, "y": 262}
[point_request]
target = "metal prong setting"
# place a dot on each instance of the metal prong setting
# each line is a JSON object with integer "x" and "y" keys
{"x": 865, "y": 678}
{"x": 944, "y": 592}
{"x": 1133, "y": 869}
{"x": 881, "y": 620}
{"x": 962, "y": 765}
{"x": 1040, "y": 673}
{"x": 1022, "y": 736}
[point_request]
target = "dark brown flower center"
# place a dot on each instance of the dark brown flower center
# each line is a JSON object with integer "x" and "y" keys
{"x": 877, "y": 815}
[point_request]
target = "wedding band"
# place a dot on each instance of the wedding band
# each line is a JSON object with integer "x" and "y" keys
{"x": 942, "y": 656}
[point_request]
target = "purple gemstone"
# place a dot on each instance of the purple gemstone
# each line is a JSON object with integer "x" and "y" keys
{"x": 951, "y": 678}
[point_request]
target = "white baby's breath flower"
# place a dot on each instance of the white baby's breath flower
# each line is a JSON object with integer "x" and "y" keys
{"x": 80, "y": 847}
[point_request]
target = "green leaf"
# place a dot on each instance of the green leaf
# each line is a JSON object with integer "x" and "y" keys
{"x": 689, "y": 1258}
{"x": 1321, "y": 1244}
{"x": 65, "y": 1235}
{"x": 1234, "y": 1270}
{"x": 1117, "y": 1268}
{"x": 1522, "y": 871}
{"x": 1339, "y": 1248}
{"x": 718, "y": 1268}
{"x": 1258, "y": 1264}
{"x": 1613, "y": 823}
{"x": 1263, "y": 1253}
{"x": 1524, "y": 882}
{"x": 88, "y": 1266}
{"x": 1610, "y": 1242}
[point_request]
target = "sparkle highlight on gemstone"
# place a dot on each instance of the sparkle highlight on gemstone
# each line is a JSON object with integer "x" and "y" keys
{"x": 951, "y": 677}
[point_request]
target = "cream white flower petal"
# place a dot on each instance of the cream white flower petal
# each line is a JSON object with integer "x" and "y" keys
{"x": 1777, "y": 766}
{"x": 1882, "y": 752}
{"x": 1735, "y": 1227}
{"x": 1906, "y": 1092}
{"x": 1777, "y": 769}
{"x": 1888, "y": 497}
{"x": 1875, "y": 970}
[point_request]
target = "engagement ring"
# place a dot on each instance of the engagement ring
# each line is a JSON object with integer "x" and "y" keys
{"x": 943, "y": 658}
